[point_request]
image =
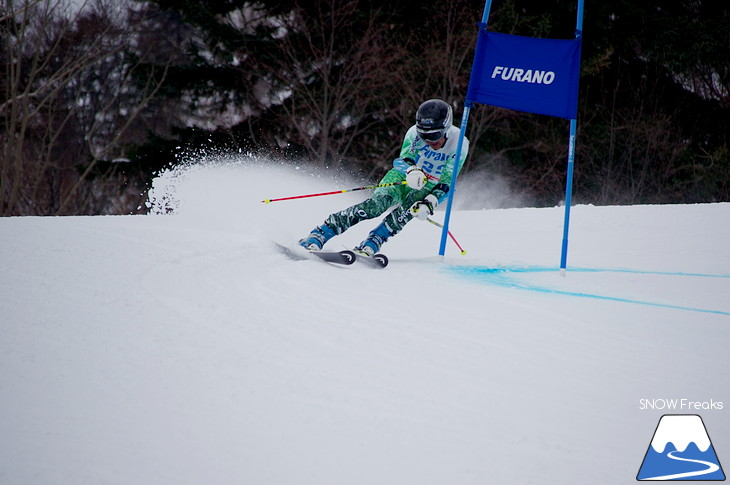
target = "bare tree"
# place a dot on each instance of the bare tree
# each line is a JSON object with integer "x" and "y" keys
{"x": 338, "y": 67}
{"x": 72, "y": 88}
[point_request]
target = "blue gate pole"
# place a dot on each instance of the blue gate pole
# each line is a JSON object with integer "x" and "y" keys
{"x": 455, "y": 173}
{"x": 568, "y": 196}
{"x": 571, "y": 162}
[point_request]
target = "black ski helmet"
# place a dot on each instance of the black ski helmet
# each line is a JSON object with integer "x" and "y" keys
{"x": 433, "y": 119}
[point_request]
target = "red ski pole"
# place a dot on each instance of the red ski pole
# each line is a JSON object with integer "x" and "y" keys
{"x": 463, "y": 251}
{"x": 266, "y": 201}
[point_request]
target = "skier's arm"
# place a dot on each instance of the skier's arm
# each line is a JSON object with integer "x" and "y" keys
{"x": 407, "y": 153}
{"x": 403, "y": 164}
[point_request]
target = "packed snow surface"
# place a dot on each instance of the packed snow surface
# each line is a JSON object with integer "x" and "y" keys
{"x": 182, "y": 348}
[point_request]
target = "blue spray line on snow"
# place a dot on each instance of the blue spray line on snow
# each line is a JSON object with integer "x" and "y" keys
{"x": 503, "y": 277}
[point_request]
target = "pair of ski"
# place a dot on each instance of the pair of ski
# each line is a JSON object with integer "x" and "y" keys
{"x": 348, "y": 257}
{"x": 344, "y": 257}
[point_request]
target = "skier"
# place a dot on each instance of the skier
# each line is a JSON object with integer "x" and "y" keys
{"x": 426, "y": 164}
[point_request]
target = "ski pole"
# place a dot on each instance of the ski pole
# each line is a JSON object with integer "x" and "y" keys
{"x": 266, "y": 201}
{"x": 463, "y": 251}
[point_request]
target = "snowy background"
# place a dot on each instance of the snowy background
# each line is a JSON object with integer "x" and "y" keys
{"x": 183, "y": 348}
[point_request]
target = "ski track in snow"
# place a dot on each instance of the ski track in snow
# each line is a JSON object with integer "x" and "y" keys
{"x": 185, "y": 349}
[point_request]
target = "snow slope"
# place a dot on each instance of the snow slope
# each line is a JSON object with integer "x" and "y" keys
{"x": 184, "y": 349}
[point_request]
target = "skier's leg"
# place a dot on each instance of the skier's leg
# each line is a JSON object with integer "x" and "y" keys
{"x": 345, "y": 219}
{"x": 341, "y": 221}
{"x": 392, "y": 224}
{"x": 383, "y": 199}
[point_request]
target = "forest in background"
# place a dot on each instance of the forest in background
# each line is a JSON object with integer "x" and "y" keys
{"x": 99, "y": 96}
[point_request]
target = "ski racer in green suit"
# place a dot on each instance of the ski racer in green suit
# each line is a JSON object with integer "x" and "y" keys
{"x": 426, "y": 164}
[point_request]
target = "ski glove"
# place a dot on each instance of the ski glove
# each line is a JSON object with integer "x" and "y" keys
{"x": 424, "y": 208}
{"x": 415, "y": 178}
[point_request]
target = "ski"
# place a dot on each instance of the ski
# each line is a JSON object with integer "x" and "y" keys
{"x": 378, "y": 260}
{"x": 338, "y": 257}
{"x": 345, "y": 257}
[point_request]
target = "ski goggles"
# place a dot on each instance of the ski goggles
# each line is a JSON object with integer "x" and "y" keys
{"x": 432, "y": 135}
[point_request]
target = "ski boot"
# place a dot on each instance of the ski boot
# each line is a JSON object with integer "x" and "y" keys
{"x": 317, "y": 238}
{"x": 376, "y": 238}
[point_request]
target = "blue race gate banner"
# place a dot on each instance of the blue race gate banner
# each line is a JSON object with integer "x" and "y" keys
{"x": 526, "y": 74}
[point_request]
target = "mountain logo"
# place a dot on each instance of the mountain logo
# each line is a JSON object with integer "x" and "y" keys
{"x": 681, "y": 450}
